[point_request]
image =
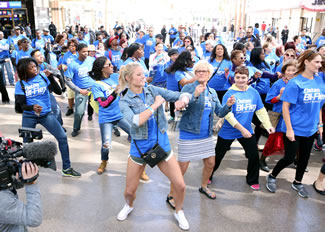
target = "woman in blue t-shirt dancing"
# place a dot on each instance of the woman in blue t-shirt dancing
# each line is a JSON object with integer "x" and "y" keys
{"x": 142, "y": 106}
{"x": 109, "y": 114}
{"x": 302, "y": 99}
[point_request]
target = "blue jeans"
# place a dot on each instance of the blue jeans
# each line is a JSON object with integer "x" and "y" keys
{"x": 80, "y": 106}
{"x": 7, "y": 64}
{"x": 106, "y": 134}
{"x": 56, "y": 109}
{"x": 53, "y": 126}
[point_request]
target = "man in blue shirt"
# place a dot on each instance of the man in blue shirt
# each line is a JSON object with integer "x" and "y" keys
{"x": 149, "y": 42}
{"x": 172, "y": 34}
{"x": 250, "y": 37}
{"x": 39, "y": 42}
{"x": 14, "y": 39}
{"x": 47, "y": 36}
{"x": 4, "y": 56}
{"x": 25, "y": 50}
{"x": 79, "y": 80}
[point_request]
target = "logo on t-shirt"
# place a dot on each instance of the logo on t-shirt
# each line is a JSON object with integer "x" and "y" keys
{"x": 35, "y": 90}
{"x": 313, "y": 95}
{"x": 245, "y": 106}
{"x": 83, "y": 72}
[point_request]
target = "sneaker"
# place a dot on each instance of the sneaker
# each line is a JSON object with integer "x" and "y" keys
{"x": 171, "y": 119}
{"x": 74, "y": 133}
{"x": 317, "y": 148}
{"x": 255, "y": 186}
{"x": 70, "y": 172}
{"x": 123, "y": 214}
{"x": 102, "y": 167}
{"x": 209, "y": 182}
{"x": 90, "y": 117}
{"x": 271, "y": 184}
{"x": 117, "y": 132}
{"x": 300, "y": 189}
{"x": 69, "y": 112}
{"x": 144, "y": 176}
{"x": 182, "y": 221}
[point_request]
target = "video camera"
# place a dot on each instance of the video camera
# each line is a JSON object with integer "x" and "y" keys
{"x": 13, "y": 154}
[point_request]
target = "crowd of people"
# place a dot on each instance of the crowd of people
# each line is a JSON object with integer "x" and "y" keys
{"x": 133, "y": 83}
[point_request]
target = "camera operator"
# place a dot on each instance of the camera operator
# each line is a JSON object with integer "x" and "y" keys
{"x": 15, "y": 216}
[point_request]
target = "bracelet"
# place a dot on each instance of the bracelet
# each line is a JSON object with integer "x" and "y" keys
{"x": 152, "y": 111}
{"x": 320, "y": 125}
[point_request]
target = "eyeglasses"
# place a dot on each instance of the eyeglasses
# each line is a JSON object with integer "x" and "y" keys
{"x": 108, "y": 65}
{"x": 187, "y": 41}
{"x": 26, "y": 41}
{"x": 201, "y": 71}
{"x": 288, "y": 55}
{"x": 242, "y": 58}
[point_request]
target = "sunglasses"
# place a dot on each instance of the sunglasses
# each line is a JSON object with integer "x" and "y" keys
{"x": 288, "y": 55}
{"x": 26, "y": 41}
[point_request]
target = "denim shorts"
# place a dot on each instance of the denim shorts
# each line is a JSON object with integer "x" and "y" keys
{"x": 141, "y": 162}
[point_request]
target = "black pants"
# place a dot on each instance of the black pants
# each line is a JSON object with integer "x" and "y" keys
{"x": 258, "y": 130}
{"x": 146, "y": 61}
{"x": 251, "y": 153}
{"x": 90, "y": 109}
{"x": 172, "y": 109}
{"x": 171, "y": 41}
{"x": 3, "y": 90}
{"x": 303, "y": 146}
{"x": 220, "y": 95}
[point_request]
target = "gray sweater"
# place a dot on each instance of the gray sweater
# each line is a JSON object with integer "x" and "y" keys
{"x": 15, "y": 216}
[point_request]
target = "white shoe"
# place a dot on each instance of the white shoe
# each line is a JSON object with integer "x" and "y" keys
{"x": 182, "y": 221}
{"x": 123, "y": 214}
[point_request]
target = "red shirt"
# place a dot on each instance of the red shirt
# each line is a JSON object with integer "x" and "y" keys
{"x": 263, "y": 27}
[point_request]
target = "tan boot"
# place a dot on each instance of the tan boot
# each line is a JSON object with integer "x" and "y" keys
{"x": 102, "y": 167}
{"x": 144, "y": 176}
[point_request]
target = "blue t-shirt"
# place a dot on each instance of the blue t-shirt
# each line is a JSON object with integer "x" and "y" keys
{"x": 256, "y": 32}
{"x": 39, "y": 44}
{"x": 159, "y": 70}
{"x": 206, "y": 55}
{"x": 4, "y": 49}
{"x": 320, "y": 41}
{"x": 141, "y": 62}
{"x": 36, "y": 92}
{"x": 219, "y": 82}
{"x": 271, "y": 59}
{"x": 178, "y": 42}
{"x": 172, "y": 33}
{"x": 205, "y": 122}
{"x": 14, "y": 40}
{"x": 148, "y": 43}
{"x": 146, "y": 144}
{"x": 279, "y": 67}
{"x": 115, "y": 57}
{"x": 23, "y": 54}
{"x": 247, "y": 102}
{"x": 68, "y": 58}
{"x": 179, "y": 75}
{"x": 112, "y": 112}
{"x": 263, "y": 84}
{"x": 305, "y": 97}
{"x": 78, "y": 72}
{"x": 48, "y": 37}
{"x": 172, "y": 84}
{"x": 82, "y": 41}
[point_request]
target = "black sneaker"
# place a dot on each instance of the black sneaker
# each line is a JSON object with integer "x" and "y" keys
{"x": 74, "y": 133}
{"x": 69, "y": 112}
{"x": 300, "y": 189}
{"x": 70, "y": 172}
{"x": 271, "y": 183}
{"x": 90, "y": 117}
{"x": 117, "y": 132}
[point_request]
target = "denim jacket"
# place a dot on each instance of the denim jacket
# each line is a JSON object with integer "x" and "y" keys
{"x": 131, "y": 106}
{"x": 192, "y": 116}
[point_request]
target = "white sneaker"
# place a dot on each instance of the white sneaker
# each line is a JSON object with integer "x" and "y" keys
{"x": 182, "y": 221}
{"x": 123, "y": 214}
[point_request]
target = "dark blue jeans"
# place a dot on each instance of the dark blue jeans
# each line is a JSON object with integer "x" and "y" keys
{"x": 53, "y": 126}
{"x": 56, "y": 109}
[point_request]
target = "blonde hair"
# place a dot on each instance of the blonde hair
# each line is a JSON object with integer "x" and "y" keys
{"x": 126, "y": 70}
{"x": 203, "y": 64}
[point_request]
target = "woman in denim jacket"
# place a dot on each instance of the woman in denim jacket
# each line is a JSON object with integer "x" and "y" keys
{"x": 195, "y": 138}
{"x": 143, "y": 108}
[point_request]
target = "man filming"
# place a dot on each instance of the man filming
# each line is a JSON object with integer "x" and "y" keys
{"x": 15, "y": 215}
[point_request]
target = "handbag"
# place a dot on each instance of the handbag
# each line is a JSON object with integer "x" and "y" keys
{"x": 274, "y": 118}
{"x": 155, "y": 154}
